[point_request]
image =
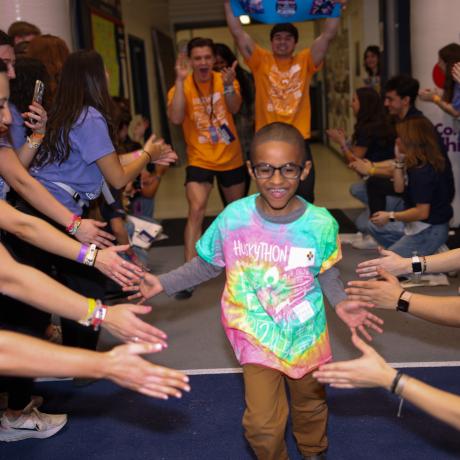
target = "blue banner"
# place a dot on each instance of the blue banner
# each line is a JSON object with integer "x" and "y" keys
{"x": 277, "y": 11}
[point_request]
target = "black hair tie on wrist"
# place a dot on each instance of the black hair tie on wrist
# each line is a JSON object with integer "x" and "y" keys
{"x": 394, "y": 384}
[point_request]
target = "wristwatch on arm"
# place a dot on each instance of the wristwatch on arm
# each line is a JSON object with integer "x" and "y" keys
{"x": 403, "y": 301}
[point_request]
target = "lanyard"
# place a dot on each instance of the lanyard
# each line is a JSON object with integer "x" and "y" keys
{"x": 209, "y": 110}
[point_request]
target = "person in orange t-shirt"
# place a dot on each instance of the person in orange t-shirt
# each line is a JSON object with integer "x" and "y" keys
{"x": 282, "y": 78}
{"x": 213, "y": 147}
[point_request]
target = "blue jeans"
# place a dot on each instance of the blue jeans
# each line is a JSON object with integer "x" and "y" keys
{"x": 391, "y": 236}
{"x": 359, "y": 191}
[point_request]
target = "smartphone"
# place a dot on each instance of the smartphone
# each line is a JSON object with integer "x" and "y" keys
{"x": 38, "y": 95}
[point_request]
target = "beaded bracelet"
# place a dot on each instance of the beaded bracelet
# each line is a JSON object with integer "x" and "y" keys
{"x": 73, "y": 227}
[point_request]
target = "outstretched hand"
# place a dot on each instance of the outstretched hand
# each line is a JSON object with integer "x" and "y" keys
{"x": 124, "y": 366}
{"x": 355, "y": 315}
{"x": 122, "y": 322}
{"x": 384, "y": 292}
{"x": 370, "y": 370}
{"x": 229, "y": 74}
{"x": 148, "y": 287}
{"x": 90, "y": 231}
{"x": 389, "y": 260}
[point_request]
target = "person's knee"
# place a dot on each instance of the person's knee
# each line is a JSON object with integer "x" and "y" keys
{"x": 265, "y": 431}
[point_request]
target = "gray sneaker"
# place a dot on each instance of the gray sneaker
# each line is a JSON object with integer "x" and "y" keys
{"x": 31, "y": 424}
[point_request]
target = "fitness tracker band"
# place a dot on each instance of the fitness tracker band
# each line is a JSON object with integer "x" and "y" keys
{"x": 416, "y": 265}
{"x": 403, "y": 301}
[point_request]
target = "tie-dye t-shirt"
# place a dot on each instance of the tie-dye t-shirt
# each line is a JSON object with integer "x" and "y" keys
{"x": 272, "y": 305}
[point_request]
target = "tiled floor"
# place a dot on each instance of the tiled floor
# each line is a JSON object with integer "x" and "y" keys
{"x": 333, "y": 180}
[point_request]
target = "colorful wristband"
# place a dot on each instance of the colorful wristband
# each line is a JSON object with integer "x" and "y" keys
{"x": 99, "y": 315}
{"x": 73, "y": 227}
{"x": 82, "y": 254}
{"x": 90, "y": 256}
{"x": 92, "y": 305}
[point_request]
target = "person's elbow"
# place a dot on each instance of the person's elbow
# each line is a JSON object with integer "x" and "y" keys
{"x": 175, "y": 118}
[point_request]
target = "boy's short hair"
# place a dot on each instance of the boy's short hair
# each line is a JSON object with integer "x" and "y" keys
{"x": 199, "y": 42}
{"x": 289, "y": 28}
{"x": 22, "y": 28}
{"x": 5, "y": 39}
{"x": 278, "y": 131}
{"x": 404, "y": 85}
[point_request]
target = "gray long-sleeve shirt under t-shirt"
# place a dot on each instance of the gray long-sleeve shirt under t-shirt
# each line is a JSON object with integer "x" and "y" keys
{"x": 198, "y": 271}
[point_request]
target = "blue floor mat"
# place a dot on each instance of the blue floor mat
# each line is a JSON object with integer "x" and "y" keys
{"x": 106, "y": 422}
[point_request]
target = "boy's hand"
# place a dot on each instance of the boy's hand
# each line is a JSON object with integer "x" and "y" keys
{"x": 355, "y": 315}
{"x": 149, "y": 287}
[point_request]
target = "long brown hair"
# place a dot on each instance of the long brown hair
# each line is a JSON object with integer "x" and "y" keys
{"x": 450, "y": 54}
{"x": 52, "y": 51}
{"x": 420, "y": 141}
{"x": 83, "y": 84}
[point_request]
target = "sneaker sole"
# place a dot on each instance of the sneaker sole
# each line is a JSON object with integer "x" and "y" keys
{"x": 14, "y": 435}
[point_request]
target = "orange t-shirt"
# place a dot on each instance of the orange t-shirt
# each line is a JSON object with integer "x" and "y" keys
{"x": 200, "y": 115}
{"x": 282, "y": 88}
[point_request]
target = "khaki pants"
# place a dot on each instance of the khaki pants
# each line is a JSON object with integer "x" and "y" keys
{"x": 267, "y": 410}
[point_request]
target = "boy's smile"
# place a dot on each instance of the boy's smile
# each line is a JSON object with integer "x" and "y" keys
{"x": 277, "y": 192}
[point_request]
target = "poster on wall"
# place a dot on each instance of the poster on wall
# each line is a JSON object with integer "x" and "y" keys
{"x": 105, "y": 43}
{"x": 278, "y": 11}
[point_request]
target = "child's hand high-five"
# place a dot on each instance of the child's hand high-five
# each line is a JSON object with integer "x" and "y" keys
{"x": 355, "y": 315}
{"x": 148, "y": 287}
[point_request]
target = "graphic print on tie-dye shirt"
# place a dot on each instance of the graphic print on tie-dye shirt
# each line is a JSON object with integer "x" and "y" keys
{"x": 272, "y": 305}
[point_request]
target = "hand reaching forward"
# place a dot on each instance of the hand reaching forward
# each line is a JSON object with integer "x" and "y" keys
{"x": 370, "y": 370}
{"x": 122, "y": 322}
{"x": 149, "y": 287}
{"x": 124, "y": 366}
{"x": 355, "y": 315}
{"x": 90, "y": 231}
{"x": 384, "y": 293}
{"x": 388, "y": 260}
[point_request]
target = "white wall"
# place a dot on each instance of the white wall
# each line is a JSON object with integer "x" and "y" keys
{"x": 50, "y": 16}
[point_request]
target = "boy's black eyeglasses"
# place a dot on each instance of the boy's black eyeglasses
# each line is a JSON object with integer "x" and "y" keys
{"x": 266, "y": 171}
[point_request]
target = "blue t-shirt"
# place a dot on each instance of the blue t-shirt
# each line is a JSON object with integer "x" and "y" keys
{"x": 426, "y": 186}
{"x": 89, "y": 141}
{"x": 17, "y": 129}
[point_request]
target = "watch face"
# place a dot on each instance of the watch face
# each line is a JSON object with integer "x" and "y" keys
{"x": 403, "y": 305}
{"x": 417, "y": 267}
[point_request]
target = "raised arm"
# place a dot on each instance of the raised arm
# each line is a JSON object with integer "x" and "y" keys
{"x": 321, "y": 44}
{"x": 232, "y": 96}
{"x": 243, "y": 40}
{"x": 176, "y": 107}
{"x": 118, "y": 174}
{"x": 371, "y": 370}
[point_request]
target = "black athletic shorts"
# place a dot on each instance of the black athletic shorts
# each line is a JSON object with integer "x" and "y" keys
{"x": 224, "y": 178}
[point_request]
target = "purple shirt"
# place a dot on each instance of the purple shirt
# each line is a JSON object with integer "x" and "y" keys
{"x": 17, "y": 129}
{"x": 89, "y": 141}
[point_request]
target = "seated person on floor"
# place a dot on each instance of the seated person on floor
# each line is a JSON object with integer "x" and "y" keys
{"x": 420, "y": 172}
{"x": 373, "y": 139}
{"x": 279, "y": 253}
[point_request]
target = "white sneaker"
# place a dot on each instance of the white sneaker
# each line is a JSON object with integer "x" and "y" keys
{"x": 31, "y": 424}
{"x": 366, "y": 242}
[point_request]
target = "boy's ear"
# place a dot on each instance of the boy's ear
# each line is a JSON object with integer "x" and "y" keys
{"x": 306, "y": 170}
{"x": 251, "y": 172}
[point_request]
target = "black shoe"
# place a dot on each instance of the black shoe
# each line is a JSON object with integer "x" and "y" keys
{"x": 185, "y": 294}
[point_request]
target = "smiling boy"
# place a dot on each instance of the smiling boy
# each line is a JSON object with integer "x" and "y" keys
{"x": 278, "y": 251}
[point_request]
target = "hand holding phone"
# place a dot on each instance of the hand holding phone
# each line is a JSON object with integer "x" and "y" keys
{"x": 38, "y": 96}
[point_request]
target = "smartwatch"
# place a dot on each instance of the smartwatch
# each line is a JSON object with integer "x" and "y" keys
{"x": 403, "y": 301}
{"x": 416, "y": 265}
{"x": 392, "y": 216}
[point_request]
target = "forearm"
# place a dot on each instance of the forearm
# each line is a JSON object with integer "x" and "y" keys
{"x": 446, "y": 107}
{"x": 176, "y": 109}
{"x": 442, "y": 310}
{"x": 410, "y": 215}
{"x": 444, "y": 262}
{"x": 233, "y": 101}
{"x": 440, "y": 404}
{"x": 150, "y": 190}
{"x": 18, "y": 356}
{"x": 332, "y": 286}
{"x": 119, "y": 230}
{"x": 321, "y": 44}
{"x": 33, "y": 287}
{"x": 189, "y": 275}
{"x": 243, "y": 40}
{"x": 26, "y": 154}
{"x": 399, "y": 180}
